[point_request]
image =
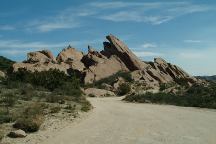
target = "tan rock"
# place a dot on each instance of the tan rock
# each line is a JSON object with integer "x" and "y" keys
{"x": 2, "y": 74}
{"x": 105, "y": 68}
{"x": 49, "y": 55}
{"x": 17, "y": 134}
{"x": 117, "y": 47}
{"x": 69, "y": 54}
{"x": 35, "y": 57}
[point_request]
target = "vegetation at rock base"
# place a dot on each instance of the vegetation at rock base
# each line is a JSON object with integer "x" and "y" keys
{"x": 124, "y": 88}
{"x": 196, "y": 96}
{"x": 27, "y": 98}
{"x": 31, "y": 118}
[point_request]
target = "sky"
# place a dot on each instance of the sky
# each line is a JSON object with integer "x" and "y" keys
{"x": 181, "y": 32}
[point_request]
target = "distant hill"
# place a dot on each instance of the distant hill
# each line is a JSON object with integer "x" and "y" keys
{"x": 209, "y": 78}
{"x": 5, "y": 63}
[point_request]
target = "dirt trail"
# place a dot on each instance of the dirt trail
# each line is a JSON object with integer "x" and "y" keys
{"x": 115, "y": 122}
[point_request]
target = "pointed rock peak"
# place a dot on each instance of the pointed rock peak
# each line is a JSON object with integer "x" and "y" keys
{"x": 69, "y": 46}
{"x": 69, "y": 53}
{"x": 160, "y": 61}
{"x": 117, "y": 47}
{"x": 90, "y": 49}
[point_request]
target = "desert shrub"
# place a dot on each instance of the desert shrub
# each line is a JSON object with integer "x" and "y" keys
{"x": 164, "y": 86}
{"x": 50, "y": 79}
{"x": 86, "y": 106}
{"x": 55, "y": 109}
{"x": 5, "y": 117}
{"x": 182, "y": 82}
{"x": 196, "y": 96}
{"x": 71, "y": 108}
{"x": 27, "y": 92}
{"x": 31, "y": 118}
{"x": 53, "y": 98}
{"x": 1, "y": 135}
{"x": 53, "y": 80}
{"x": 29, "y": 124}
{"x": 7, "y": 100}
{"x": 70, "y": 89}
{"x": 124, "y": 88}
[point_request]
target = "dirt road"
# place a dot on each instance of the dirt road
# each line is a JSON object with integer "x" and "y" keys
{"x": 115, "y": 122}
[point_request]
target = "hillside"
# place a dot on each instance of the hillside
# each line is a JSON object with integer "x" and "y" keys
{"x": 5, "y": 63}
{"x": 209, "y": 78}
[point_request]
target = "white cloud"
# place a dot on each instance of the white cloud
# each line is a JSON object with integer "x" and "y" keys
{"x": 146, "y": 54}
{"x": 148, "y": 45}
{"x": 20, "y": 44}
{"x": 148, "y": 12}
{"x": 13, "y": 47}
{"x": 6, "y": 27}
{"x": 191, "y": 55}
{"x": 135, "y": 17}
{"x": 192, "y": 41}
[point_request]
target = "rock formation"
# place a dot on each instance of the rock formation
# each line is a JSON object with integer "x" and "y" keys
{"x": 95, "y": 65}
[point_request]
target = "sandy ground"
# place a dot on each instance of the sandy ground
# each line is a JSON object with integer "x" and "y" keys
{"x": 115, "y": 122}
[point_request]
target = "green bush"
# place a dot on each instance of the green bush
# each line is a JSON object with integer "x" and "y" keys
{"x": 1, "y": 135}
{"x": 29, "y": 124}
{"x": 71, "y": 108}
{"x": 196, "y": 96}
{"x": 5, "y": 117}
{"x": 51, "y": 79}
{"x": 124, "y": 88}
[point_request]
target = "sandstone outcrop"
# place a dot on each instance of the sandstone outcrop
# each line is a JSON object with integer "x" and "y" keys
{"x": 95, "y": 65}
{"x": 117, "y": 47}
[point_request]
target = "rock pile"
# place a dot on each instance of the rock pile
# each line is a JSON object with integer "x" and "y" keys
{"x": 95, "y": 65}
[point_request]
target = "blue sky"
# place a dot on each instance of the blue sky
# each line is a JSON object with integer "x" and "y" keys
{"x": 181, "y": 32}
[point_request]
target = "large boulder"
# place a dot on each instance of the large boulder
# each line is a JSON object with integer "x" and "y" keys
{"x": 2, "y": 74}
{"x": 17, "y": 134}
{"x": 43, "y": 56}
{"x": 69, "y": 54}
{"x": 103, "y": 68}
{"x": 117, "y": 47}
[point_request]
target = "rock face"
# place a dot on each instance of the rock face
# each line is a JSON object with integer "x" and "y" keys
{"x": 2, "y": 74}
{"x": 117, "y": 47}
{"x": 95, "y": 65}
{"x": 17, "y": 134}
{"x": 69, "y": 54}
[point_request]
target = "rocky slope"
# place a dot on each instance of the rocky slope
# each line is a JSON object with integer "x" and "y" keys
{"x": 95, "y": 65}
